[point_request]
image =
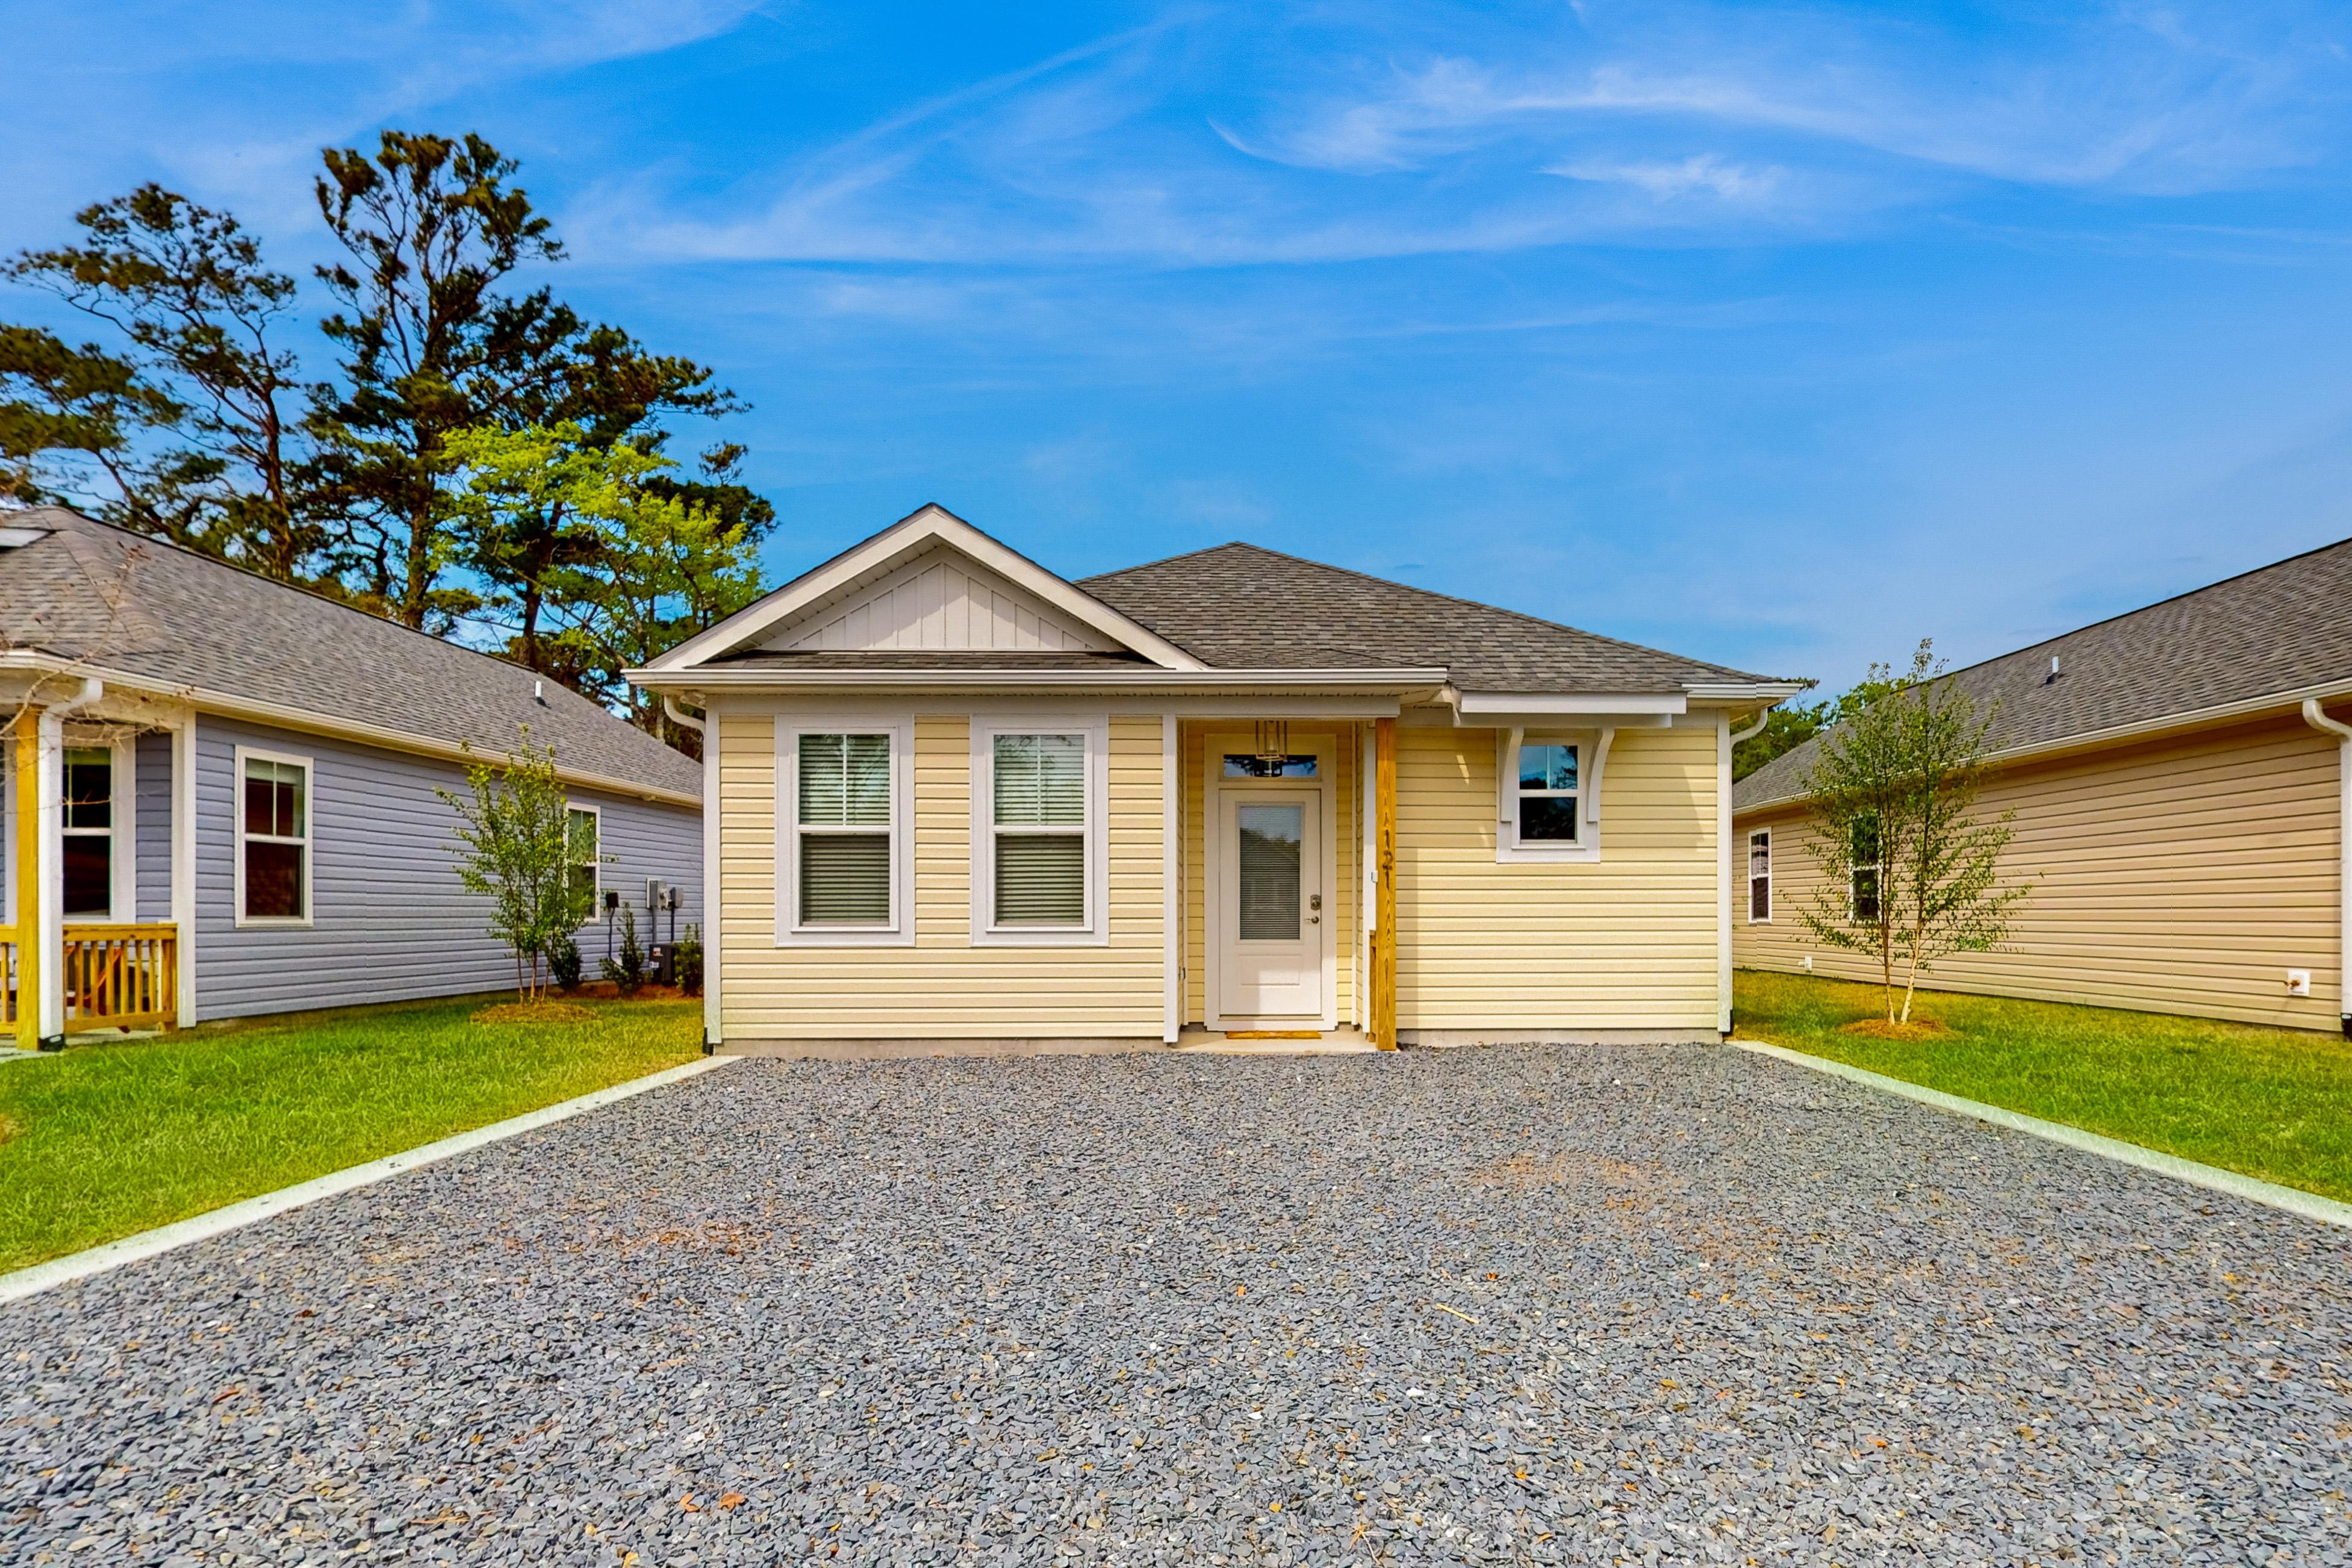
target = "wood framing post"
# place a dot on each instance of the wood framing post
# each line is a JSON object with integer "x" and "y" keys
{"x": 25, "y": 861}
{"x": 1384, "y": 932}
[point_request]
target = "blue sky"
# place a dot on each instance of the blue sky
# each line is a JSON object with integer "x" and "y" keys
{"x": 1779, "y": 335}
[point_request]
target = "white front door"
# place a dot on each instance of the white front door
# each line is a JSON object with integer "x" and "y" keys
{"x": 1270, "y": 914}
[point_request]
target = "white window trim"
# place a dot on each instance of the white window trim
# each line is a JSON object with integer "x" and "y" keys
{"x": 1095, "y": 930}
{"x": 1761, "y": 836}
{"x": 1854, "y": 869}
{"x": 1508, "y": 849}
{"x": 595, "y": 909}
{"x": 122, "y": 858}
{"x": 310, "y": 840}
{"x": 900, "y": 930}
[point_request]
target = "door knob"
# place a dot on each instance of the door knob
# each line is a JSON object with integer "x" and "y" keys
{"x": 1314, "y": 919}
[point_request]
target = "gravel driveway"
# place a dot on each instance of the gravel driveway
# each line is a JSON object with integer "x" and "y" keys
{"x": 1545, "y": 1305}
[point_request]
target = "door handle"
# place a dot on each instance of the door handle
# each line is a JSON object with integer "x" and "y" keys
{"x": 1314, "y": 919}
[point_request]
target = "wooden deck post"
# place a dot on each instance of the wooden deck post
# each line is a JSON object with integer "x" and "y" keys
{"x": 25, "y": 860}
{"x": 1384, "y": 932}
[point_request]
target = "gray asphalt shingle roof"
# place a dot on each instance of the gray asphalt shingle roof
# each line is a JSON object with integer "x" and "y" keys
{"x": 92, "y": 593}
{"x": 1242, "y": 607}
{"x": 2279, "y": 629}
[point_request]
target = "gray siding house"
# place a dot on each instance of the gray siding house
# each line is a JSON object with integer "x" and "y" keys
{"x": 220, "y": 791}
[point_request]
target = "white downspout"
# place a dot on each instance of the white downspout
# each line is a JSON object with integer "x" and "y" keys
{"x": 1725, "y": 739}
{"x": 2317, "y": 719}
{"x": 49, "y": 918}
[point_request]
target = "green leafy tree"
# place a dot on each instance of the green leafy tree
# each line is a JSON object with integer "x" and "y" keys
{"x": 1911, "y": 868}
{"x": 433, "y": 341}
{"x": 187, "y": 287}
{"x": 620, "y": 564}
{"x": 71, "y": 419}
{"x": 519, "y": 846}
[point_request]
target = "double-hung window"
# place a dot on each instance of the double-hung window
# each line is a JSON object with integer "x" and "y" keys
{"x": 582, "y": 828}
{"x": 1862, "y": 873}
{"x": 844, "y": 866}
{"x": 1037, "y": 839}
{"x": 1540, "y": 808}
{"x": 1759, "y": 877}
{"x": 89, "y": 848}
{"x": 273, "y": 838}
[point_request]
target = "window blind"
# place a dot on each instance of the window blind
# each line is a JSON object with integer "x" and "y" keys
{"x": 1040, "y": 786}
{"x": 845, "y": 786}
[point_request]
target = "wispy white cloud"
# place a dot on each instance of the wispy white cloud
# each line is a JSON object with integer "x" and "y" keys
{"x": 1702, "y": 174}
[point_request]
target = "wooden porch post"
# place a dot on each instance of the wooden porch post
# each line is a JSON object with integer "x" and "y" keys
{"x": 1384, "y": 934}
{"x": 26, "y": 861}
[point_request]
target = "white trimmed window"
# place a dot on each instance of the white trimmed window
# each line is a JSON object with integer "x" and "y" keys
{"x": 1038, "y": 815}
{"x": 845, "y": 875}
{"x": 1759, "y": 877}
{"x": 583, "y": 828}
{"x": 89, "y": 830}
{"x": 1539, "y": 804}
{"x": 1863, "y": 874}
{"x": 273, "y": 830}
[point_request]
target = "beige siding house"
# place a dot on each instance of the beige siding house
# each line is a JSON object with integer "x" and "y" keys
{"x": 2182, "y": 783}
{"x": 957, "y": 796}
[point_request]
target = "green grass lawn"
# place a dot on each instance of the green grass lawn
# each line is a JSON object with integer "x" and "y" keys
{"x": 2273, "y": 1103}
{"x": 105, "y": 1140}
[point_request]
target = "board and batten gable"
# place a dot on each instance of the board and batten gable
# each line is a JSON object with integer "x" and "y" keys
{"x": 940, "y": 985}
{"x": 389, "y": 919}
{"x": 2183, "y": 875}
{"x": 1626, "y": 943}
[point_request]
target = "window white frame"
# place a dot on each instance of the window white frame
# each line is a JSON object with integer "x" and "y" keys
{"x": 1095, "y": 930}
{"x": 899, "y": 930}
{"x": 122, "y": 818}
{"x": 1759, "y": 852}
{"x": 1508, "y": 847}
{"x": 595, "y": 814}
{"x": 309, "y": 839}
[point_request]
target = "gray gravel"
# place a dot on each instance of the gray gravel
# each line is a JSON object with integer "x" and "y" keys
{"x": 1538, "y": 1305}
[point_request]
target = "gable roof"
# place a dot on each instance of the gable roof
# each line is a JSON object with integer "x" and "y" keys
{"x": 145, "y": 610}
{"x": 1236, "y": 609}
{"x": 1243, "y": 606}
{"x": 2270, "y": 635}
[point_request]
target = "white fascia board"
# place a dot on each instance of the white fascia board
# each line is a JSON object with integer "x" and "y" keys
{"x": 2281, "y": 702}
{"x": 929, "y": 525}
{"x": 202, "y": 700}
{"x": 1741, "y": 693}
{"x": 1142, "y": 678}
{"x": 1482, "y": 703}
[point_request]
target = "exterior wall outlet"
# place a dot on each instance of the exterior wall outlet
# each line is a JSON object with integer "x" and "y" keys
{"x": 1808, "y": 963}
{"x": 2298, "y": 982}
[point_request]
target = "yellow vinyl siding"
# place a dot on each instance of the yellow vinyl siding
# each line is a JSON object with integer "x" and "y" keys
{"x": 942, "y": 986}
{"x": 1626, "y": 942}
{"x": 2183, "y": 876}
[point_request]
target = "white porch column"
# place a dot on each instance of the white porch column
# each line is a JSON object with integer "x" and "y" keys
{"x": 184, "y": 860}
{"x": 1171, "y": 883}
{"x": 48, "y": 836}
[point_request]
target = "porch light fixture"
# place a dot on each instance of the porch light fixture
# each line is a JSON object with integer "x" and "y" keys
{"x": 1273, "y": 736}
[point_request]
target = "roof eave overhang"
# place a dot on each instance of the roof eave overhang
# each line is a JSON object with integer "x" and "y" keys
{"x": 709, "y": 678}
{"x": 280, "y": 716}
{"x": 2278, "y": 703}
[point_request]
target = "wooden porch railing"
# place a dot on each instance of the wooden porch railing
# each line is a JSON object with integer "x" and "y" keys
{"x": 126, "y": 976}
{"x": 8, "y": 976}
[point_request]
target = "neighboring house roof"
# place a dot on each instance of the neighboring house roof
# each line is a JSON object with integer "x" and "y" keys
{"x": 1241, "y": 606}
{"x": 94, "y": 594}
{"x": 2275, "y": 634}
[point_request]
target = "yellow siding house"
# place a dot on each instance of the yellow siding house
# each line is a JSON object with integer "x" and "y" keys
{"x": 955, "y": 796}
{"x": 2181, "y": 778}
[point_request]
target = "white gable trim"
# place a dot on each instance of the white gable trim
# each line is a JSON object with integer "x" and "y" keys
{"x": 910, "y": 536}
{"x": 940, "y": 599}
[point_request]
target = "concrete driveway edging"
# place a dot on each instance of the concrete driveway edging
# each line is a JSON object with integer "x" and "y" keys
{"x": 39, "y": 1276}
{"x": 2294, "y": 1200}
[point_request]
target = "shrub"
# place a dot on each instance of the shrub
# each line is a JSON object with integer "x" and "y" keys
{"x": 689, "y": 960}
{"x": 629, "y": 972}
{"x": 563, "y": 965}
